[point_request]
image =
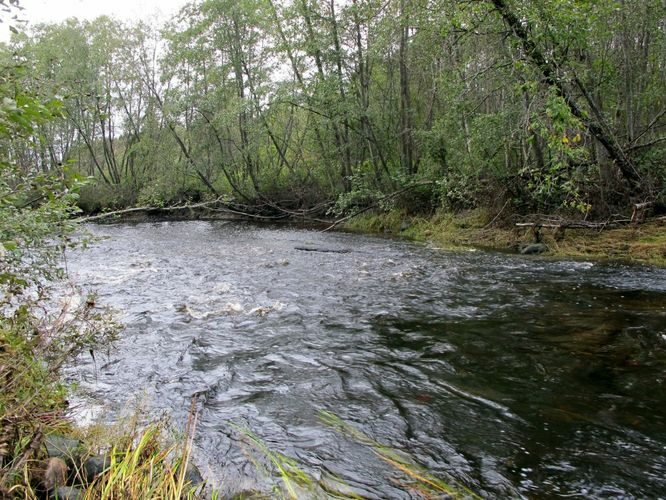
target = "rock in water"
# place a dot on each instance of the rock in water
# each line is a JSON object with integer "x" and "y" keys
{"x": 94, "y": 466}
{"x": 534, "y": 249}
{"x": 193, "y": 476}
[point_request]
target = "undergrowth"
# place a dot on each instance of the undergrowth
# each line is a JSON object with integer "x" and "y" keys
{"x": 639, "y": 243}
{"x": 34, "y": 344}
{"x": 144, "y": 464}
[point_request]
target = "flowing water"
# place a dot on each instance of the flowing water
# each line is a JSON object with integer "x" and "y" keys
{"x": 516, "y": 376}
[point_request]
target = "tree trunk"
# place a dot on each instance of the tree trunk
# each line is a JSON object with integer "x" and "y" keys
{"x": 406, "y": 142}
{"x": 595, "y": 124}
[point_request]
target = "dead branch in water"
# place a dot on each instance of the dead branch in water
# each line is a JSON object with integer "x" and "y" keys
{"x": 564, "y": 224}
{"x": 638, "y": 216}
{"x": 210, "y": 205}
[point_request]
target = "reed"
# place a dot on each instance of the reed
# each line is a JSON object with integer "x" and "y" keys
{"x": 144, "y": 465}
{"x": 297, "y": 483}
{"x": 414, "y": 477}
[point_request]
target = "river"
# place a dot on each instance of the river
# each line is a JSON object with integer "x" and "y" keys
{"x": 513, "y": 375}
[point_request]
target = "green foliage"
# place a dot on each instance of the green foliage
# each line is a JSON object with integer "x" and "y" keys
{"x": 459, "y": 191}
{"x": 363, "y": 192}
{"x": 305, "y": 102}
{"x": 565, "y": 172}
{"x": 36, "y": 206}
{"x": 96, "y": 196}
{"x": 651, "y": 163}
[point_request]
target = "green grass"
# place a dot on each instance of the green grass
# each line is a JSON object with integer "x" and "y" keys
{"x": 144, "y": 466}
{"x": 643, "y": 243}
{"x": 296, "y": 483}
{"x": 412, "y": 476}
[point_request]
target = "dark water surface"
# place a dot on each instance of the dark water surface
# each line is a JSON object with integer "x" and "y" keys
{"x": 517, "y": 376}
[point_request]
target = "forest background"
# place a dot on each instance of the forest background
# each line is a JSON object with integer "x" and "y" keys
{"x": 321, "y": 108}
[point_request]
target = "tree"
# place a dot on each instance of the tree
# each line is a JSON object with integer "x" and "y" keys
{"x": 555, "y": 76}
{"x": 290, "y": 105}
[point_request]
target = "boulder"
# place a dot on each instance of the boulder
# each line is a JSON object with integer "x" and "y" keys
{"x": 534, "y": 249}
{"x": 193, "y": 476}
{"x": 59, "y": 446}
{"x": 93, "y": 467}
{"x": 66, "y": 493}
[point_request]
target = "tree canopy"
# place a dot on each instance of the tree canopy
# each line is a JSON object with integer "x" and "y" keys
{"x": 301, "y": 105}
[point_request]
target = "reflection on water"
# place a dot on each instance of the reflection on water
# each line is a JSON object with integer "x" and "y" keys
{"x": 515, "y": 375}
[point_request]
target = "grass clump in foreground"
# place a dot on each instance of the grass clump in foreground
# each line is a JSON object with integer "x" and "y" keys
{"x": 33, "y": 399}
{"x": 142, "y": 465}
{"x": 33, "y": 409}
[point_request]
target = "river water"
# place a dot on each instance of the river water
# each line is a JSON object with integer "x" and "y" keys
{"x": 515, "y": 376}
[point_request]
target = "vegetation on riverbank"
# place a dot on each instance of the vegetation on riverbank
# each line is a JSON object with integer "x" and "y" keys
{"x": 638, "y": 243}
{"x": 45, "y": 323}
{"x": 315, "y": 108}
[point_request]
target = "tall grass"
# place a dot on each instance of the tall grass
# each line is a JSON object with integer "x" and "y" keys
{"x": 415, "y": 477}
{"x": 297, "y": 483}
{"x": 144, "y": 465}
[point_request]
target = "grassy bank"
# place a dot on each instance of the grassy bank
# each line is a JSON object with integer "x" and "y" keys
{"x": 638, "y": 243}
{"x": 643, "y": 243}
{"x": 42, "y": 454}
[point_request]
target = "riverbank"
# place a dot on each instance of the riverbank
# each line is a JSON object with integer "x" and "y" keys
{"x": 43, "y": 453}
{"x": 643, "y": 243}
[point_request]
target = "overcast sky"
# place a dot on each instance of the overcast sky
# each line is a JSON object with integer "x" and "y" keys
{"x": 39, "y": 11}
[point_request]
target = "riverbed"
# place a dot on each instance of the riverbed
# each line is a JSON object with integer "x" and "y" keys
{"x": 512, "y": 375}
